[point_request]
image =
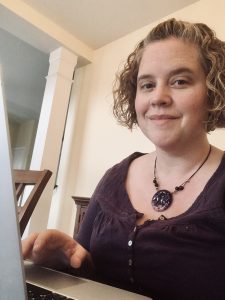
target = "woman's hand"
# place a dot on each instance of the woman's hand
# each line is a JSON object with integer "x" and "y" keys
{"x": 53, "y": 248}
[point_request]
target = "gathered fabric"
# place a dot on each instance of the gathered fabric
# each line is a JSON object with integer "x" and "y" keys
{"x": 178, "y": 258}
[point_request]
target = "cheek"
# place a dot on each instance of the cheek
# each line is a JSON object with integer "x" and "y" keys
{"x": 199, "y": 104}
{"x": 139, "y": 105}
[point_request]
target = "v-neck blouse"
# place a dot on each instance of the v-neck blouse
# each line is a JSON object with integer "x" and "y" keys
{"x": 178, "y": 258}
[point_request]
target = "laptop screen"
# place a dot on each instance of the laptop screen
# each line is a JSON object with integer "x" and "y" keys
{"x": 12, "y": 283}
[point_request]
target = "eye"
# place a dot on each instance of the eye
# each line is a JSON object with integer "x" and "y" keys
{"x": 147, "y": 86}
{"x": 180, "y": 83}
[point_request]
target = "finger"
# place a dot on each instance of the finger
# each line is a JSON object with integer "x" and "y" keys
{"x": 78, "y": 256}
{"x": 27, "y": 245}
{"x": 49, "y": 239}
{"x": 37, "y": 243}
{"x": 55, "y": 242}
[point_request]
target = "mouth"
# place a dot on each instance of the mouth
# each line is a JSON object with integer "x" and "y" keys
{"x": 162, "y": 117}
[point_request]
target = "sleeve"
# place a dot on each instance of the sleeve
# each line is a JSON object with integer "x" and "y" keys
{"x": 98, "y": 202}
{"x": 85, "y": 231}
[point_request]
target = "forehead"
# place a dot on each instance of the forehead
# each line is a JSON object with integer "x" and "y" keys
{"x": 170, "y": 53}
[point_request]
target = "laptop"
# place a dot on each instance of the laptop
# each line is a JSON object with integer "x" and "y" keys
{"x": 14, "y": 272}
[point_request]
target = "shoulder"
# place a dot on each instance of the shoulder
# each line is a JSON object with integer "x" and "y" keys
{"x": 215, "y": 172}
{"x": 111, "y": 187}
{"x": 217, "y": 161}
{"x": 122, "y": 167}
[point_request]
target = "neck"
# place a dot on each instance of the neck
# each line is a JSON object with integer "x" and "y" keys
{"x": 163, "y": 197}
{"x": 181, "y": 160}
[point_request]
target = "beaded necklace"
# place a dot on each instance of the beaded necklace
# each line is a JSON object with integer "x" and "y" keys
{"x": 162, "y": 199}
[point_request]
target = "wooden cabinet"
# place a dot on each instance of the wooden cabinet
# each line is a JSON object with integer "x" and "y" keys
{"x": 82, "y": 204}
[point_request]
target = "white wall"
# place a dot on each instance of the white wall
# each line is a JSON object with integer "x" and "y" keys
{"x": 98, "y": 142}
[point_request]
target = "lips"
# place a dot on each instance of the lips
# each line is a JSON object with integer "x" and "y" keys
{"x": 162, "y": 117}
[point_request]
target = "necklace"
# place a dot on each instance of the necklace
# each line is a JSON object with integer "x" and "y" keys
{"x": 162, "y": 199}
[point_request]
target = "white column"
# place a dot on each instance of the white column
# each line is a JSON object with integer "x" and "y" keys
{"x": 51, "y": 126}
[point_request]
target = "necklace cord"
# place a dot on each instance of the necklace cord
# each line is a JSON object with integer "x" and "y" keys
{"x": 181, "y": 187}
{"x": 163, "y": 199}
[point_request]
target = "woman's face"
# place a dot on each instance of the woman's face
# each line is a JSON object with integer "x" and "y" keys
{"x": 171, "y": 97}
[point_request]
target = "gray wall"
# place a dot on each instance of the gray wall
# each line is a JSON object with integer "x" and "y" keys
{"x": 23, "y": 70}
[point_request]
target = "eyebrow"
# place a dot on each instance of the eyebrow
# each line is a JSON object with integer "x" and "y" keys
{"x": 172, "y": 73}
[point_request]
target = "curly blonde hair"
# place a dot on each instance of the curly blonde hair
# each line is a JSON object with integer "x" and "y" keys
{"x": 212, "y": 53}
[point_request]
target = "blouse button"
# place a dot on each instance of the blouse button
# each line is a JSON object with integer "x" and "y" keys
{"x": 130, "y": 243}
{"x": 130, "y": 262}
{"x": 131, "y": 279}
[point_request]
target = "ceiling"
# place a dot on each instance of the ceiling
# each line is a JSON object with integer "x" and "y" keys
{"x": 99, "y": 22}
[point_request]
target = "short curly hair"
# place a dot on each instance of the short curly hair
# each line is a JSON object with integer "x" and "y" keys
{"x": 212, "y": 53}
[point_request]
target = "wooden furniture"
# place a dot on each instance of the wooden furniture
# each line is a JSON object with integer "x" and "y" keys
{"x": 26, "y": 203}
{"x": 82, "y": 204}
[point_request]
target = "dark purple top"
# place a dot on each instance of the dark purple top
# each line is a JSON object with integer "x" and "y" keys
{"x": 181, "y": 258}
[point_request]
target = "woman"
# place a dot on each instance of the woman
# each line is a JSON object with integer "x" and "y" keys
{"x": 156, "y": 222}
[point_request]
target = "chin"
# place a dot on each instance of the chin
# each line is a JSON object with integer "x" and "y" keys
{"x": 163, "y": 140}
{"x": 166, "y": 143}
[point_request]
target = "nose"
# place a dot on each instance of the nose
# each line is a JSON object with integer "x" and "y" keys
{"x": 161, "y": 96}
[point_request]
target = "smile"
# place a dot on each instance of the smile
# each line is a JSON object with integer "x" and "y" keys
{"x": 161, "y": 117}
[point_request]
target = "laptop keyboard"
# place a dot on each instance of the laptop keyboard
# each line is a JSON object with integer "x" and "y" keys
{"x": 37, "y": 293}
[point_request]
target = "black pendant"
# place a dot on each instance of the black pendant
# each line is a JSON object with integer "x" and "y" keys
{"x": 162, "y": 200}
